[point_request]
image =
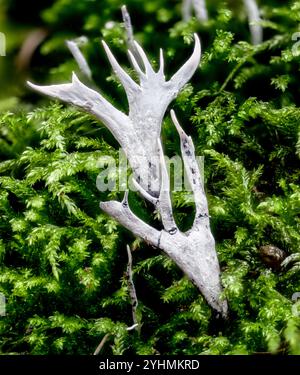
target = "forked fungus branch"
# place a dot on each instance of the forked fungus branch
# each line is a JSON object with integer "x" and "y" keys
{"x": 138, "y": 133}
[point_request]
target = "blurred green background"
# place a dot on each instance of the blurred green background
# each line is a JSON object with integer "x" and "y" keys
{"x": 36, "y": 31}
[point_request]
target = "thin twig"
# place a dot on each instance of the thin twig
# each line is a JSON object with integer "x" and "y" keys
{"x": 102, "y": 343}
{"x": 130, "y": 36}
{"x": 107, "y": 336}
{"x": 201, "y": 10}
{"x": 73, "y": 46}
{"x": 254, "y": 21}
{"x": 132, "y": 291}
{"x": 187, "y": 10}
